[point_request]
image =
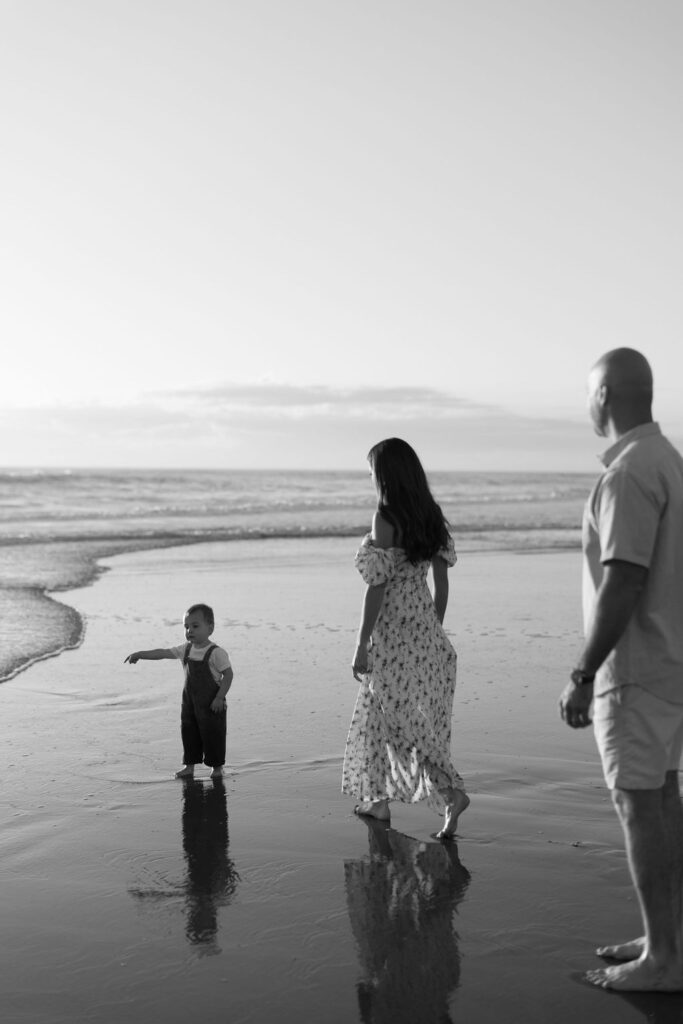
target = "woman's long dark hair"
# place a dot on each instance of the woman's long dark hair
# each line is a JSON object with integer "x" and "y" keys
{"x": 405, "y": 499}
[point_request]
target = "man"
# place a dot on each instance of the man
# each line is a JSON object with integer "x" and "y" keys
{"x": 631, "y": 668}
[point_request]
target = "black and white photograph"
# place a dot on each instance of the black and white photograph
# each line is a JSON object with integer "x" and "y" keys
{"x": 341, "y": 511}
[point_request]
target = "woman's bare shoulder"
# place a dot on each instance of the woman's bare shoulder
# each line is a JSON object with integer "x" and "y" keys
{"x": 383, "y": 533}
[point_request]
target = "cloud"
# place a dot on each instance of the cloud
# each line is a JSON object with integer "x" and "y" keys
{"x": 272, "y": 425}
{"x": 317, "y": 401}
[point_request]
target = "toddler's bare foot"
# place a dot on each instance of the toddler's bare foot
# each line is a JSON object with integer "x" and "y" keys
{"x": 623, "y": 950}
{"x": 458, "y": 802}
{"x": 217, "y": 773}
{"x": 186, "y": 772}
{"x": 373, "y": 809}
{"x": 641, "y": 975}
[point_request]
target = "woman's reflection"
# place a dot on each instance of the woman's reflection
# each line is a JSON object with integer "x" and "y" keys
{"x": 211, "y": 879}
{"x": 401, "y": 901}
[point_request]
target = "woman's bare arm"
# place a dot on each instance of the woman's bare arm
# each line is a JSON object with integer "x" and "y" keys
{"x": 440, "y": 574}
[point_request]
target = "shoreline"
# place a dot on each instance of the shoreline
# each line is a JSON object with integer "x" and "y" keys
{"x": 43, "y": 599}
{"x": 81, "y": 565}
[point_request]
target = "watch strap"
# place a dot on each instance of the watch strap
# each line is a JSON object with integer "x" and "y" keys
{"x": 581, "y": 678}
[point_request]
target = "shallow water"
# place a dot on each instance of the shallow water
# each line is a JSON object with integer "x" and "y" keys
{"x": 202, "y": 899}
{"x": 128, "y": 895}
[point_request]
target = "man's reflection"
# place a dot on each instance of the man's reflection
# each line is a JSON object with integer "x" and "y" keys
{"x": 211, "y": 879}
{"x": 656, "y": 1007}
{"x": 401, "y": 901}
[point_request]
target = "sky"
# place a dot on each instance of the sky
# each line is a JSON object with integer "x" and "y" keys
{"x": 268, "y": 233}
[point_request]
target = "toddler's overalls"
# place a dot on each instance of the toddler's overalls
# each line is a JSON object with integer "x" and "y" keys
{"x": 201, "y": 729}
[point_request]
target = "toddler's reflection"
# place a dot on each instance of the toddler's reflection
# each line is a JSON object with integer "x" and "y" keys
{"x": 211, "y": 875}
{"x": 401, "y": 901}
{"x": 211, "y": 879}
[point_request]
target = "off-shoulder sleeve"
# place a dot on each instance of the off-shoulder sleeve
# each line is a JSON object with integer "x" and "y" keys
{"x": 448, "y": 552}
{"x": 376, "y": 565}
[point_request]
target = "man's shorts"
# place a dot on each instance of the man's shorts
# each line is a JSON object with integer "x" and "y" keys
{"x": 639, "y": 737}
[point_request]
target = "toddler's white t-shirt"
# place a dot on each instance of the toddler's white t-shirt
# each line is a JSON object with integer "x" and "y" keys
{"x": 218, "y": 659}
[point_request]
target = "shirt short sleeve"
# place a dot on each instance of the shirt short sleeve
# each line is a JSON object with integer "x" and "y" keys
{"x": 627, "y": 520}
{"x": 219, "y": 659}
{"x": 178, "y": 652}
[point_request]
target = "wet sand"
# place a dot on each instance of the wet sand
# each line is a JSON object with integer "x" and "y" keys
{"x": 129, "y": 895}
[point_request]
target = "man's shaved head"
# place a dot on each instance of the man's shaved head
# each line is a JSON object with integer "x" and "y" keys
{"x": 626, "y": 373}
{"x": 620, "y": 390}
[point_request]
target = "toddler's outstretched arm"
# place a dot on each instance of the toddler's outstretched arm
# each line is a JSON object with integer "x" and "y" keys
{"x": 156, "y": 655}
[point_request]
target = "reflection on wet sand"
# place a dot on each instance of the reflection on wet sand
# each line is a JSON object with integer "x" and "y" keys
{"x": 656, "y": 1008}
{"x": 401, "y": 900}
{"x": 211, "y": 879}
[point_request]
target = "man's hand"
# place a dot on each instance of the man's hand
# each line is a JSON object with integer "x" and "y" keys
{"x": 575, "y": 705}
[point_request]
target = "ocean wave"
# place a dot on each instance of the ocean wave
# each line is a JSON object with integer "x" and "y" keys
{"x": 57, "y": 525}
{"x": 151, "y": 536}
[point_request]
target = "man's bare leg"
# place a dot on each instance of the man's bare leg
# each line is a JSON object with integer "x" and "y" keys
{"x": 673, "y": 823}
{"x": 651, "y": 837}
{"x": 673, "y": 816}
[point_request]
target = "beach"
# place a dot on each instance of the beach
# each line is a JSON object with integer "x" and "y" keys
{"x": 130, "y": 895}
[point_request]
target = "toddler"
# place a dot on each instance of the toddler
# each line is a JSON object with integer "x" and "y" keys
{"x": 208, "y": 676}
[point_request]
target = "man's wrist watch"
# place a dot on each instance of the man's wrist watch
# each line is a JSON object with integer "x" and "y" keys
{"x": 581, "y": 678}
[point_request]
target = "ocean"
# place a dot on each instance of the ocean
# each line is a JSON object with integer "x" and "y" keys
{"x": 56, "y": 525}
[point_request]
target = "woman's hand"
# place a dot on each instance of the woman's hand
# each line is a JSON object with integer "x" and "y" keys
{"x": 361, "y": 662}
{"x": 218, "y": 705}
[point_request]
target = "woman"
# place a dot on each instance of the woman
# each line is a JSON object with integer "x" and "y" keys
{"x": 398, "y": 747}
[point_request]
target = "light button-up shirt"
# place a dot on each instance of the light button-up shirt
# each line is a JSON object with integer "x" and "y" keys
{"x": 635, "y": 514}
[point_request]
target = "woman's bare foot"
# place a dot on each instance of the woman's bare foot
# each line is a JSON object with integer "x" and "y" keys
{"x": 373, "y": 809}
{"x": 458, "y": 801}
{"x": 186, "y": 772}
{"x": 641, "y": 975}
{"x": 217, "y": 773}
{"x": 623, "y": 950}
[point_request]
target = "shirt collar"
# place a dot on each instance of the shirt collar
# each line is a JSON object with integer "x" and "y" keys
{"x": 643, "y": 430}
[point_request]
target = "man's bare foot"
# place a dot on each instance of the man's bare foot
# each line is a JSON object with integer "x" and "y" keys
{"x": 186, "y": 772}
{"x": 373, "y": 809}
{"x": 623, "y": 950}
{"x": 217, "y": 773}
{"x": 638, "y": 976}
{"x": 459, "y": 802}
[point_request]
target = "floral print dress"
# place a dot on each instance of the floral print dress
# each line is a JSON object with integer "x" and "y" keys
{"x": 398, "y": 745}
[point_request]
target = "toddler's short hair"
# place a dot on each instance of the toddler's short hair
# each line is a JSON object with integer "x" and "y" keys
{"x": 204, "y": 610}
